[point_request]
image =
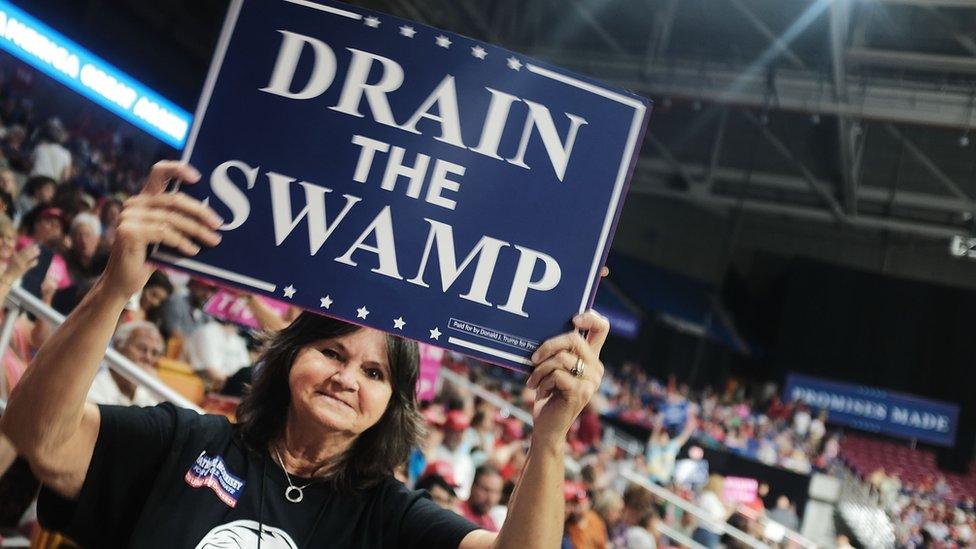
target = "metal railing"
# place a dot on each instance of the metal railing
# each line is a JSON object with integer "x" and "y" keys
{"x": 19, "y": 300}
{"x": 659, "y": 491}
{"x": 691, "y": 508}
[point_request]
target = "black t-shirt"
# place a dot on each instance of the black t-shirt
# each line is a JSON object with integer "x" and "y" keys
{"x": 169, "y": 477}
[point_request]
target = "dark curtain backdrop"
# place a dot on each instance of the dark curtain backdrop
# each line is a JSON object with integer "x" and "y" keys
{"x": 875, "y": 330}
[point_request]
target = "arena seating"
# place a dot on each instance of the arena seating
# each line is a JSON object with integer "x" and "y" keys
{"x": 915, "y": 467}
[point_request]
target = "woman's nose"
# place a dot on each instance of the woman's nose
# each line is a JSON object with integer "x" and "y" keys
{"x": 346, "y": 377}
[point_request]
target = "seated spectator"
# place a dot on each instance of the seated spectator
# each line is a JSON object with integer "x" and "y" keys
{"x": 216, "y": 351}
{"x": 50, "y": 157}
{"x": 37, "y": 191}
{"x": 584, "y": 528}
{"x": 784, "y": 513}
{"x": 710, "y": 529}
{"x": 150, "y": 301}
{"x": 141, "y": 343}
{"x": 454, "y": 451}
{"x": 44, "y": 225}
{"x": 15, "y": 148}
{"x": 642, "y": 535}
{"x": 486, "y": 492}
{"x": 439, "y": 483}
{"x": 182, "y": 313}
{"x": 109, "y": 210}
{"x": 86, "y": 258}
{"x": 610, "y": 506}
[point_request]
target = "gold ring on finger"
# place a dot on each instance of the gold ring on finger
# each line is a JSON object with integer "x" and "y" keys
{"x": 577, "y": 370}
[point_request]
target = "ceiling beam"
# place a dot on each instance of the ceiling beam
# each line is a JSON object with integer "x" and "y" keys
{"x": 876, "y": 98}
{"x": 847, "y": 129}
{"x": 825, "y": 196}
{"x": 933, "y": 3}
{"x": 767, "y": 182}
{"x": 928, "y": 62}
{"x": 640, "y": 186}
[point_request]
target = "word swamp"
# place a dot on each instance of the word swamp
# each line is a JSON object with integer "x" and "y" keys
{"x": 405, "y": 178}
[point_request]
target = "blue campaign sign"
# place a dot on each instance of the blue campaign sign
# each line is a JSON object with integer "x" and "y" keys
{"x": 877, "y": 410}
{"x": 406, "y": 178}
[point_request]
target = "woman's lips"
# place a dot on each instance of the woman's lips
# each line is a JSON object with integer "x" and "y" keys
{"x": 336, "y": 399}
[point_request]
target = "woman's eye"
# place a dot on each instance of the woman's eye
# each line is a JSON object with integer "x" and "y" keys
{"x": 374, "y": 373}
{"x": 330, "y": 353}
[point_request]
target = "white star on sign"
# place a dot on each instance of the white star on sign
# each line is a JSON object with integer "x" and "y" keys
{"x": 407, "y": 31}
{"x": 362, "y": 312}
{"x": 398, "y": 323}
{"x": 443, "y": 41}
{"x": 325, "y": 302}
{"x": 289, "y": 291}
{"x": 371, "y": 22}
{"x": 514, "y": 64}
{"x": 435, "y": 334}
{"x": 479, "y": 52}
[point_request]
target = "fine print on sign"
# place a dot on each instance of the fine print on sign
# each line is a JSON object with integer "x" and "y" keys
{"x": 406, "y": 178}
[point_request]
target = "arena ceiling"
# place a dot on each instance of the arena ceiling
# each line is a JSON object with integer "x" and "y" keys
{"x": 833, "y": 129}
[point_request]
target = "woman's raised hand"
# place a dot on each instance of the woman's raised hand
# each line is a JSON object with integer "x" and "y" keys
{"x": 157, "y": 217}
{"x": 560, "y": 394}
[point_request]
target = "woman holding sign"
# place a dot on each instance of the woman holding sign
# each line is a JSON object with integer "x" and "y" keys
{"x": 310, "y": 462}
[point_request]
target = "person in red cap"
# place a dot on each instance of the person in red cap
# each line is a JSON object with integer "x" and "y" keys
{"x": 438, "y": 480}
{"x": 455, "y": 451}
{"x": 584, "y": 528}
{"x": 486, "y": 492}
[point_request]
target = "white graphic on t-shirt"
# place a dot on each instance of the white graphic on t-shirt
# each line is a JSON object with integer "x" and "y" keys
{"x": 243, "y": 534}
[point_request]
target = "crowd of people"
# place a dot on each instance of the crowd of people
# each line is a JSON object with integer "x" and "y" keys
{"x": 61, "y": 192}
{"x": 924, "y": 514}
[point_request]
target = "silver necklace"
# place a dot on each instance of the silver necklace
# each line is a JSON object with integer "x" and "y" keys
{"x": 293, "y": 493}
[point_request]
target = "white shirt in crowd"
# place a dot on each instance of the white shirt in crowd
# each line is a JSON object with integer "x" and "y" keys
{"x": 51, "y": 160}
{"x": 817, "y": 429}
{"x": 104, "y": 390}
{"x": 461, "y": 465}
{"x": 801, "y": 422}
{"x": 638, "y": 538}
{"x": 710, "y": 502}
{"x": 214, "y": 345}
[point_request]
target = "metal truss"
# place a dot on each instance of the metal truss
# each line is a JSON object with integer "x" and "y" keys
{"x": 858, "y": 102}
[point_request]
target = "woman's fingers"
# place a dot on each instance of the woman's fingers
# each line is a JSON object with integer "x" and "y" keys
{"x": 185, "y": 225}
{"x": 173, "y": 202}
{"x": 572, "y": 342}
{"x": 596, "y": 327}
{"x": 148, "y": 233}
{"x": 563, "y": 382}
{"x": 564, "y": 360}
{"x": 166, "y": 170}
{"x": 188, "y": 206}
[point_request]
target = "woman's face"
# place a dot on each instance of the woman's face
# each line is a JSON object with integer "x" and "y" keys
{"x": 7, "y": 243}
{"x": 342, "y": 384}
{"x": 153, "y": 297}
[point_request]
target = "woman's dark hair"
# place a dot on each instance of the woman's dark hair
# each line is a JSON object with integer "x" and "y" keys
{"x": 160, "y": 280}
{"x": 377, "y": 451}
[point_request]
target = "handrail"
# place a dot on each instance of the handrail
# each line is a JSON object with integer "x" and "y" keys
{"x": 678, "y": 536}
{"x": 12, "y": 312}
{"x": 657, "y": 490}
{"x": 690, "y": 507}
{"x": 788, "y": 533}
{"x": 21, "y": 298}
{"x": 501, "y": 403}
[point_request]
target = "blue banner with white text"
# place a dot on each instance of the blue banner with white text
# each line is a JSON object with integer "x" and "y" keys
{"x": 877, "y": 410}
{"x": 406, "y": 178}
